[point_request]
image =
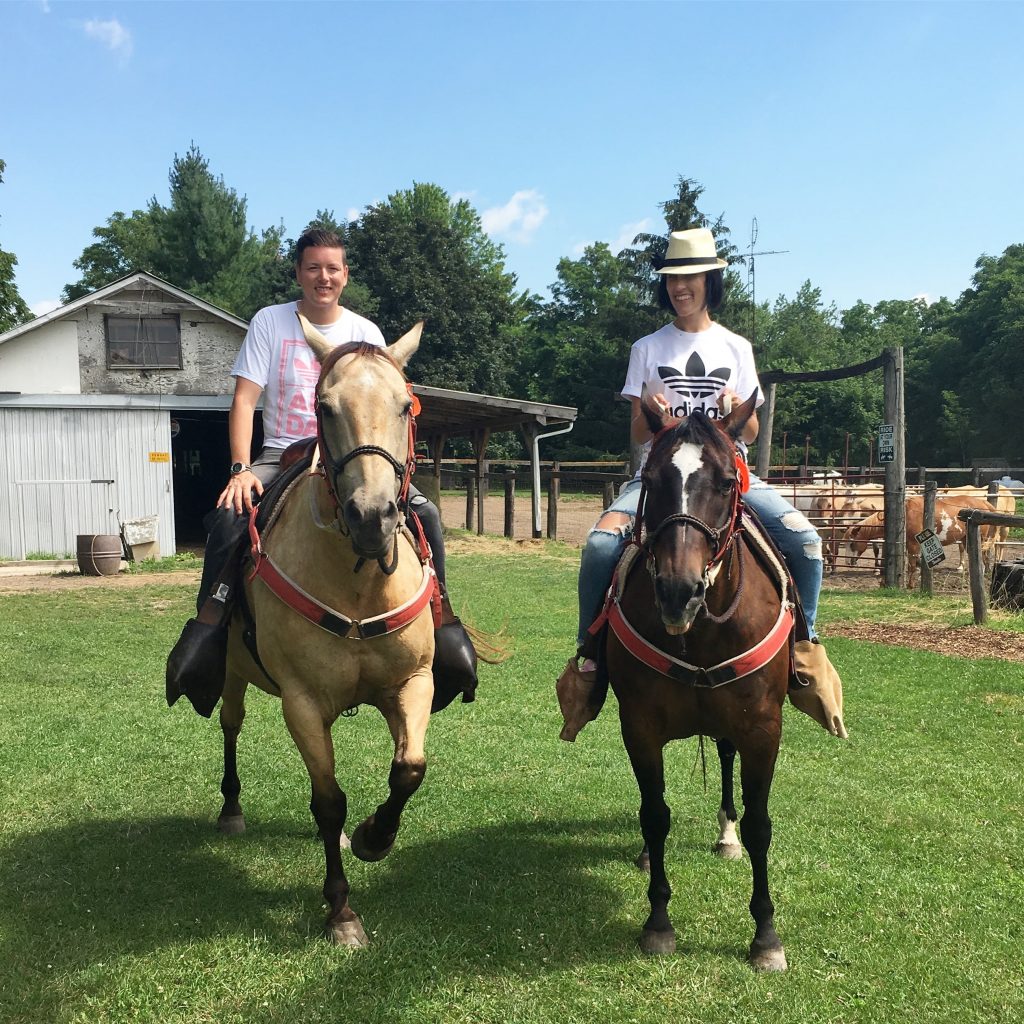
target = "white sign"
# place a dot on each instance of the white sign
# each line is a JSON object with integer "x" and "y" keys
{"x": 886, "y": 442}
{"x": 931, "y": 548}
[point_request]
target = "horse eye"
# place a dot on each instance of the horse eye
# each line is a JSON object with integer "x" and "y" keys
{"x": 407, "y": 408}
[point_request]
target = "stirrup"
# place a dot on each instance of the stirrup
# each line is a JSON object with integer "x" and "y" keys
{"x": 578, "y": 698}
{"x": 821, "y": 695}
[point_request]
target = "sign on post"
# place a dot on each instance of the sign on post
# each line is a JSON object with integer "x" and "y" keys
{"x": 886, "y": 442}
{"x": 931, "y": 548}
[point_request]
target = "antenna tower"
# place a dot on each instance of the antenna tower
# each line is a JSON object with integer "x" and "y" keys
{"x": 751, "y": 279}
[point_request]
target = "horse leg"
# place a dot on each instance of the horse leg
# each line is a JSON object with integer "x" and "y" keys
{"x": 232, "y": 713}
{"x": 312, "y": 736}
{"x": 647, "y": 757}
{"x": 728, "y": 845}
{"x": 757, "y": 766}
{"x": 407, "y": 719}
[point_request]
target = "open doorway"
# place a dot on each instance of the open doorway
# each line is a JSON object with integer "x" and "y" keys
{"x": 200, "y": 456}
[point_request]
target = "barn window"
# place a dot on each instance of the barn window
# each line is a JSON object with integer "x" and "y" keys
{"x": 143, "y": 342}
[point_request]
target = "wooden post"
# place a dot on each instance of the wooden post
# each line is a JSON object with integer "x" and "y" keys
{"x": 554, "y": 493}
{"x": 470, "y": 501}
{"x": 976, "y": 568}
{"x": 766, "y": 422}
{"x": 480, "y": 439}
{"x": 510, "y": 504}
{"x": 530, "y": 432}
{"x": 895, "y": 473}
{"x": 553, "y": 490}
{"x": 928, "y": 523}
{"x": 608, "y": 493}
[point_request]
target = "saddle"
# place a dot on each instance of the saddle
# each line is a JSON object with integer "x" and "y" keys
{"x": 198, "y": 661}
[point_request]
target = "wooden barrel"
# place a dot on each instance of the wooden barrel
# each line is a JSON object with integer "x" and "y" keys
{"x": 99, "y": 554}
{"x": 1007, "y": 589}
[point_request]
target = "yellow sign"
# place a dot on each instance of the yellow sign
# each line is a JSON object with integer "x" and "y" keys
{"x": 159, "y": 456}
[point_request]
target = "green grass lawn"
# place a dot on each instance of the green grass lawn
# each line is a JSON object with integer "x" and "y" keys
{"x": 897, "y": 863}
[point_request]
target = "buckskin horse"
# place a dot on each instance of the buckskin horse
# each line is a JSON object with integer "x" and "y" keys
{"x": 341, "y": 601}
{"x": 699, "y": 645}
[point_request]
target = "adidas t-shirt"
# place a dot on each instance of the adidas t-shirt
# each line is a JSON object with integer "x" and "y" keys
{"x": 692, "y": 369}
{"x": 275, "y": 356}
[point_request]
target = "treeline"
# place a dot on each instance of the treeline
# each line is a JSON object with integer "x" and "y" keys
{"x": 420, "y": 254}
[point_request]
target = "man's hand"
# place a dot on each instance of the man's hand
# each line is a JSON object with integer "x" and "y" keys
{"x": 238, "y": 493}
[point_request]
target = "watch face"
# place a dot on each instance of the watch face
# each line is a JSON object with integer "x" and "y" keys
{"x": 237, "y": 467}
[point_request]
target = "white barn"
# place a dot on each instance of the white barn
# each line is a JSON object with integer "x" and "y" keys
{"x": 115, "y": 404}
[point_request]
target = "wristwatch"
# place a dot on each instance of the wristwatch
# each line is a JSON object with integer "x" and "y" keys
{"x": 239, "y": 467}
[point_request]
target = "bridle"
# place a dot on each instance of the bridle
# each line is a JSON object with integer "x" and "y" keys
{"x": 332, "y": 466}
{"x": 720, "y": 537}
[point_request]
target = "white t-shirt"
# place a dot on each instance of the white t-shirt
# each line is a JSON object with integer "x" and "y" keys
{"x": 692, "y": 369}
{"x": 275, "y": 356}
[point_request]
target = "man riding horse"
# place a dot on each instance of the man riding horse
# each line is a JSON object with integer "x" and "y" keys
{"x": 276, "y": 362}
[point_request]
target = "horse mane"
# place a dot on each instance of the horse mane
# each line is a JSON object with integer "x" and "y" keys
{"x": 699, "y": 428}
{"x": 358, "y": 348}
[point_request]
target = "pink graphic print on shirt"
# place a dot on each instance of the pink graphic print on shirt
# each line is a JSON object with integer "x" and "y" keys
{"x": 297, "y": 375}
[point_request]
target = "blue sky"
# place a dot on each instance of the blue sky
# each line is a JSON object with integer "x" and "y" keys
{"x": 880, "y": 144}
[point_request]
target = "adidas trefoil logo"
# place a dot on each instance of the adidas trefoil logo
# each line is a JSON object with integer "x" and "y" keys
{"x": 695, "y": 383}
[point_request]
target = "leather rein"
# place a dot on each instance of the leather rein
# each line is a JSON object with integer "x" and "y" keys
{"x": 723, "y": 542}
{"x": 329, "y": 468}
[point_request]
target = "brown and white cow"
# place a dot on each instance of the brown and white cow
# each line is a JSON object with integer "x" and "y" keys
{"x": 947, "y": 528}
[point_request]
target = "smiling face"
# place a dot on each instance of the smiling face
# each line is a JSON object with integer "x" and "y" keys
{"x": 687, "y": 293}
{"x": 322, "y": 276}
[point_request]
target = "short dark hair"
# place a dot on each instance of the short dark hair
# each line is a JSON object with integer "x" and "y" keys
{"x": 714, "y": 283}
{"x": 319, "y": 237}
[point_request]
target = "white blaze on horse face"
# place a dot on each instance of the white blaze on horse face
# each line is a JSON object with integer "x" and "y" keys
{"x": 687, "y": 459}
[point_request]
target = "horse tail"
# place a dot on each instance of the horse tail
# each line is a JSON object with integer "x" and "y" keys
{"x": 489, "y": 647}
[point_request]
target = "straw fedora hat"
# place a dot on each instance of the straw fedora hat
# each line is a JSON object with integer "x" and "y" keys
{"x": 691, "y": 252}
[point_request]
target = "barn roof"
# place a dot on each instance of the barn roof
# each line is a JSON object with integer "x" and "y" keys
{"x": 120, "y": 285}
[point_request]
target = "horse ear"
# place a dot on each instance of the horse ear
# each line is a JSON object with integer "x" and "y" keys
{"x": 734, "y": 423}
{"x": 314, "y": 339}
{"x": 405, "y": 348}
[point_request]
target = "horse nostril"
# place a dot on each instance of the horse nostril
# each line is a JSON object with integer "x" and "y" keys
{"x": 353, "y": 513}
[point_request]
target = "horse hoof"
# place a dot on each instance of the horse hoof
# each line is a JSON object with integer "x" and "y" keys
{"x": 347, "y": 933}
{"x": 643, "y": 862}
{"x": 729, "y": 851}
{"x": 768, "y": 959}
{"x": 363, "y": 850}
{"x": 657, "y": 943}
{"x": 232, "y": 824}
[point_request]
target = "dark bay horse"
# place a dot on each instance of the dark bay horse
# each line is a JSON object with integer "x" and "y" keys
{"x": 352, "y": 622}
{"x": 699, "y": 645}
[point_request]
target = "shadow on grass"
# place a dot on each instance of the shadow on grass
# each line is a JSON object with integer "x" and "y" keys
{"x": 515, "y": 898}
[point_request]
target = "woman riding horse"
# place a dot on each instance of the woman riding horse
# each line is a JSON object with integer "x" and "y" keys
{"x": 695, "y": 364}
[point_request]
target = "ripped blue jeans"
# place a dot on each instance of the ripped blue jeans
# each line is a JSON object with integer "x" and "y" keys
{"x": 796, "y": 538}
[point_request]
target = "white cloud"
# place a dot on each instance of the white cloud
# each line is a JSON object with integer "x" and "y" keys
{"x": 111, "y": 34}
{"x": 457, "y": 197}
{"x": 45, "y": 4}
{"x": 519, "y": 218}
{"x": 627, "y": 233}
{"x": 44, "y": 306}
{"x": 624, "y": 240}
{"x": 928, "y": 300}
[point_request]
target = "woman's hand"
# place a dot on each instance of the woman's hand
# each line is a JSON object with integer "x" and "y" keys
{"x": 727, "y": 398}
